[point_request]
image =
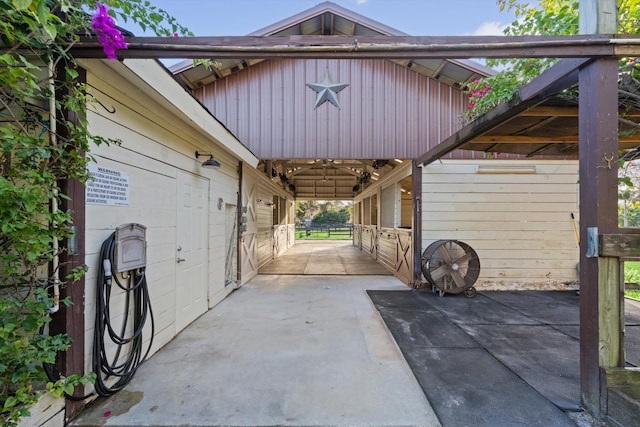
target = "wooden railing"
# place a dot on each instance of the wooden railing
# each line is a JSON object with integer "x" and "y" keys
{"x": 612, "y": 251}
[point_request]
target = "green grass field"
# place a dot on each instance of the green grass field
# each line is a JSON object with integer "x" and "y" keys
{"x": 301, "y": 235}
{"x": 632, "y": 293}
{"x": 632, "y": 275}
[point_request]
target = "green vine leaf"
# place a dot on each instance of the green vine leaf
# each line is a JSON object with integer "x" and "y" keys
{"x": 21, "y": 5}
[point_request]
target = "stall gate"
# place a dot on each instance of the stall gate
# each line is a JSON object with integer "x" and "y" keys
{"x": 265, "y": 242}
{"x": 357, "y": 236}
{"x": 370, "y": 240}
{"x": 249, "y": 190}
{"x": 395, "y": 252}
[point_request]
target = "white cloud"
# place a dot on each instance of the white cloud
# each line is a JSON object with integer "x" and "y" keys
{"x": 361, "y": 1}
{"x": 490, "y": 28}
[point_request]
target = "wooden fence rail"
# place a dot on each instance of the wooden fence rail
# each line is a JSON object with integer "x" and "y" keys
{"x": 344, "y": 231}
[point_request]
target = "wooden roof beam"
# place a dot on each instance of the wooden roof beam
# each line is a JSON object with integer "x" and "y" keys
{"x": 520, "y": 139}
{"x": 438, "y": 70}
{"x": 538, "y": 125}
{"x": 369, "y": 47}
{"x": 547, "y": 111}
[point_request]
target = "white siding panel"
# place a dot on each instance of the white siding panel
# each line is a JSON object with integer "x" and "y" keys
{"x": 519, "y": 224}
{"x": 155, "y": 147}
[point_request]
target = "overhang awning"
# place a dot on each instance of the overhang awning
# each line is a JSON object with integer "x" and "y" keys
{"x": 538, "y": 120}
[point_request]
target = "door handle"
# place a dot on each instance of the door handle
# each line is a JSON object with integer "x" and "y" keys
{"x": 179, "y": 260}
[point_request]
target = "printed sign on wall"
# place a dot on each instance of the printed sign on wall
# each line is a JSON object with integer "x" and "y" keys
{"x": 107, "y": 186}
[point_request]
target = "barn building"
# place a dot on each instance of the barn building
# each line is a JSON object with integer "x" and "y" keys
{"x": 383, "y": 133}
{"x": 341, "y": 129}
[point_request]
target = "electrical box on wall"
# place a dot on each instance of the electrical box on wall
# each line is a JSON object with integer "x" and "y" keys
{"x": 130, "y": 247}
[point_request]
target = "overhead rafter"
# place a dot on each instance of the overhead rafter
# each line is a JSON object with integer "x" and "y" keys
{"x": 547, "y": 111}
{"x": 519, "y": 139}
{"x": 557, "y": 78}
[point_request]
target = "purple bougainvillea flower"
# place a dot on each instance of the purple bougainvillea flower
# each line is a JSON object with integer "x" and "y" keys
{"x": 109, "y": 36}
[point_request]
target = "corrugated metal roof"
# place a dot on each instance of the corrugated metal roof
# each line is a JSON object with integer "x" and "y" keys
{"x": 330, "y": 19}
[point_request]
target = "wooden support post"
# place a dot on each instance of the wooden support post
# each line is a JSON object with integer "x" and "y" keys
{"x": 73, "y": 316}
{"x": 610, "y": 313}
{"x": 70, "y": 319}
{"x": 241, "y": 225}
{"x": 598, "y": 208}
{"x": 416, "y": 226}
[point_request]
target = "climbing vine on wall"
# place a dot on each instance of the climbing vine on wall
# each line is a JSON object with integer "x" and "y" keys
{"x": 39, "y": 149}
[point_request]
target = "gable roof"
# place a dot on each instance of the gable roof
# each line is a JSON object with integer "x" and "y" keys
{"x": 330, "y": 19}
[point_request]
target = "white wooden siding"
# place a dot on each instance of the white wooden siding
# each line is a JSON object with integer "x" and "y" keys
{"x": 519, "y": 223}
{"x": 155, "y": 147}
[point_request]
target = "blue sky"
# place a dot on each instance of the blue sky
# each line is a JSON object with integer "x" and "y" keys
{"x": 414, "y": 17}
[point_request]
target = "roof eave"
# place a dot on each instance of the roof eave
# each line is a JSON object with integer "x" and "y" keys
{"x": 155, "y": 76}
{"x": 324, "y": 7}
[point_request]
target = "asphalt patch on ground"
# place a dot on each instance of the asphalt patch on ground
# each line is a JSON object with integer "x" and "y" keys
{"x": 500, "y": 359}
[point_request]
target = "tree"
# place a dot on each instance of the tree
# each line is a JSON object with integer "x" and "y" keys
{"x": 306, "y": 209}
{"x": 332, "y": 217}
{"x": 549, "y": 17}
{"x": 629, "y": 194}
{"x": 39, "y": 149}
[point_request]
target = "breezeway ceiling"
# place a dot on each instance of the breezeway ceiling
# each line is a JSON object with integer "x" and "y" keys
{"x": 327, "y": 179}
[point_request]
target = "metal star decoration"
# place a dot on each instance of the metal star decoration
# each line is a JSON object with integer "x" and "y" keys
{"x": 327, "y": 91}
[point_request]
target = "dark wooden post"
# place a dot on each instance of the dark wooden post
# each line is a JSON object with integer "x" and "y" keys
{"x": 598, "y": 208}
{"x": 416, "y": 193}
{"x": 70, "y": 319}
{"x": 240, "y": 212}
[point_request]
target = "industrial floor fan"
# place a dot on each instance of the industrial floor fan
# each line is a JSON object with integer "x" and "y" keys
{"x": 451, "y": 266}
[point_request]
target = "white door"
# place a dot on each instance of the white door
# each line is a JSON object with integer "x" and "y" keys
{"x": 192, "y": 248}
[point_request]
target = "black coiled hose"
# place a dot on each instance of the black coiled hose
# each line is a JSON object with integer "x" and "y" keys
{"x": 129, "y": 352}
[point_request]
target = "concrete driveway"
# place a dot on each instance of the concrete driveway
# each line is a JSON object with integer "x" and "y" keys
{"x": 281, "y": 350}
{"x": 364, "y": 350}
